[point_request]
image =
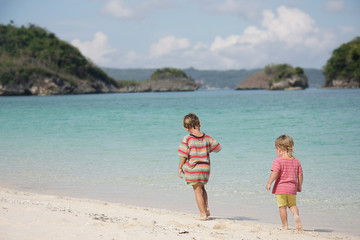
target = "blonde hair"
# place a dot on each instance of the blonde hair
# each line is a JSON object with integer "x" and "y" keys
{"x": 191, "y": 121}
{"x": 286, "y": 143}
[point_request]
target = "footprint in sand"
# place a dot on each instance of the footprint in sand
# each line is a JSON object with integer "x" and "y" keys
{"x": 219, "y": 226}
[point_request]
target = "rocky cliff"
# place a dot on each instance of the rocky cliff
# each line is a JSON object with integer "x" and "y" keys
{"x": 290, "y": 83}
{"x": 43, "y": 85}
{"x": 342, "y": 83}
{"x": 257, "y": 81}
{"x": 276, "y": 77}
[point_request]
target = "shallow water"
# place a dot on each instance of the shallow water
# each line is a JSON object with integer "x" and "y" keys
{"x": 123, "y": 147}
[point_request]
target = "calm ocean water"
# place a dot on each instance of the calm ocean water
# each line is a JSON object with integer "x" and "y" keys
{"x": 123, "y": 148}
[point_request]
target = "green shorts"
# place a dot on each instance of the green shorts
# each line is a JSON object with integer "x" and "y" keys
{"x": 285, "y": 200}
{"x": 194, "y": 183}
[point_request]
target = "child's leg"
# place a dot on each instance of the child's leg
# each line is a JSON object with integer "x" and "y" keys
{"x": 295, "y": 212}
{"x": 281, "y": 200}
{"x": 205, "y": 196}
{"x": 283, "y": 216}
{"x": 199, "y": 196}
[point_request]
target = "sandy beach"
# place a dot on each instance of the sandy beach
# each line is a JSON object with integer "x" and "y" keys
{"x": 27, "y": 216}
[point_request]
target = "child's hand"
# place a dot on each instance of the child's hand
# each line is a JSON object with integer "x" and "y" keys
{"x": 299, "y": 188}
{"x": 181, "y": 171}
{"x": 268, "y": 187}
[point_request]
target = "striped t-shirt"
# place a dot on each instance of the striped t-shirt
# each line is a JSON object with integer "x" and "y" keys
{"x": 197, "y": 152}
{"x": 289, "y": 170}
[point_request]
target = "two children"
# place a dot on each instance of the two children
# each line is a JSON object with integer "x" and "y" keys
{"x": 195, "y": 149}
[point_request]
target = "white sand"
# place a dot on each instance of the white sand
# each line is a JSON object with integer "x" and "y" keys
{"x": 25, "y": 216}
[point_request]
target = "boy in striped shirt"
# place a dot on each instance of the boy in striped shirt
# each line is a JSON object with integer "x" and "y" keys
{"x": 194, "y": 151}
{"x": 287, "y": 172}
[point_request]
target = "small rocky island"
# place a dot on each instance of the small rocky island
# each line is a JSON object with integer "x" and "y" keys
{"x": 164, "y": 80}
{"x": 342, "y": 70}
{"x": 34, "y": 61}
{"x": 276, "y": 77}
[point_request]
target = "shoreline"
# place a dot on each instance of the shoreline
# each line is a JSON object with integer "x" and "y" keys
{"x": 261, "y": 211}
{"x": 25, "y": 215}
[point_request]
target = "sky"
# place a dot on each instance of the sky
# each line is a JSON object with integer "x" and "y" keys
{"x": 203, "y": 34}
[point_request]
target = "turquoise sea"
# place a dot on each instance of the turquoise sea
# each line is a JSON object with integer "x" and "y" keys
{"x": 123, "y": 148}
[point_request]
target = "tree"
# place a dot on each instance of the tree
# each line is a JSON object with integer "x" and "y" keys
{"x": 344, "y": 64}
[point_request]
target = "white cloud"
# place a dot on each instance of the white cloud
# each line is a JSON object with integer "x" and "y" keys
{"x": 200, "y": 46}
{"x": 139, "y": 9}
{"x": 289, "y": 28}
{"x": 286, "y": 35}
{"x": 97, "y": 49}
{"x": 168, "y": 44}
{"x": 335, "y": 6}
{"x": 118, "y": 9}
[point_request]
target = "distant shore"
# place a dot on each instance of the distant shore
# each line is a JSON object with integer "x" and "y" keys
{"x": 36, "y": 216}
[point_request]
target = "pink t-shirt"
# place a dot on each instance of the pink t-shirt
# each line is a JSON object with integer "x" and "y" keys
{"x": 289, "y": 170}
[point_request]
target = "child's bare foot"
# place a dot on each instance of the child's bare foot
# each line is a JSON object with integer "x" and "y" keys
{"x": 208, "y": 212}
{"x": 202, "y": 218}
{"x": 284, "y": 227}
{"x": 298, "y": 223}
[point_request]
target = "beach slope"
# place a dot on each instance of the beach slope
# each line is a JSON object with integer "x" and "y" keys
{"x": 28, "y": 216}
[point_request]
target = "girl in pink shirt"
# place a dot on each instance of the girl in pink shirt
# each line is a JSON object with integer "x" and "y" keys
{"x": 287, "y": 172}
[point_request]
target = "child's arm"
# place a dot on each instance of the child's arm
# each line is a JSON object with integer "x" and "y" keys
{"x": 181, "y": 163}
{"x": 215, "y": 146}
{"x": 273, "y": 176}
{"x": 300, "y": 181}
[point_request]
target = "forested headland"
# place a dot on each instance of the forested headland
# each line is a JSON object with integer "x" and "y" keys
{"x": 34, "y": 61}
{"x": 342, "y": 70}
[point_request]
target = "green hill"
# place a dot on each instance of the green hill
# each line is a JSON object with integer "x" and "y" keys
{"x": 34, "y": 61}
{"x": 342, "y": 70}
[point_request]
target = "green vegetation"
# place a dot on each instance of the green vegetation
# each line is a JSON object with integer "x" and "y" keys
{"x": 166, "y": 72}
{"x": 281, "y": 72}
{"x": 344, "y": 63}
{"x": 127, "y": 83}
{"x": 29, "y": 52}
